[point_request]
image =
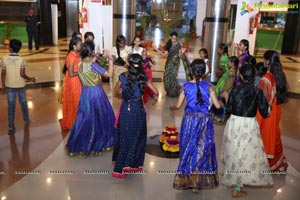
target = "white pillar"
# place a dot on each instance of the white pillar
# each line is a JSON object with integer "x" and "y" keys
{"x": 200, "y": 16}
{"x": 100, "y": 18}
{"x": 54, "y": 15}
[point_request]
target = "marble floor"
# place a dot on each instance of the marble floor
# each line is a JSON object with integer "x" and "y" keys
{"x": 33, "y": 163}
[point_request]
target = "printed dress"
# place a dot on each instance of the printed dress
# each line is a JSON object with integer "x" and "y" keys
{"x": 71, "y": 92}
{"x": 171, "y": 85}
{"x": 198, "y": 166}
{"x": 130, "y": 149}
{"x": 94, "y": 129}
{"x": 243, "y": 155}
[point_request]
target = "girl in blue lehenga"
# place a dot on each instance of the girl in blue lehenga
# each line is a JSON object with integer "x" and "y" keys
{"x": 198, "y": 168}
{"x": 94, "y": 129}
{"x": 129, "y": 152}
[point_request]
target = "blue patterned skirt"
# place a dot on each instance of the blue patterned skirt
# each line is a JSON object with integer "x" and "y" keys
{"x": 130, "y": 149}
{"x": 94, "y": 126}
{"x": 198, "y": 166}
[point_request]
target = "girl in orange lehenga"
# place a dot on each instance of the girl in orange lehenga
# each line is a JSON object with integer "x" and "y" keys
{"x": 72, "y": 87}
{"x": 274, "y": 86}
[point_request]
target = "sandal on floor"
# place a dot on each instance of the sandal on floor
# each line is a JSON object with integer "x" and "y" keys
{"x": 129, "y": 170}
{"x": 236, "y": 193}
{"x": 11, "y": 131}
{"x": 140, "y": 168}
{"x": 118, "y": 175}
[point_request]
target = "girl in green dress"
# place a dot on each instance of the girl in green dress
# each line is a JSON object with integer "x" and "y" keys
{"x": 223, "y": 67}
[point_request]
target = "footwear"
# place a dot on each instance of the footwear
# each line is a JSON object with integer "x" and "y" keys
{"x": 107, "y": 149}
{"x": 11, "y": 131}
{"x": 236, "y": 193}
{"x": 140, "y": 168}
{"x": 27, "y": 122}
{"x": 118, "y": 175}
{"x": 129, "y": 170}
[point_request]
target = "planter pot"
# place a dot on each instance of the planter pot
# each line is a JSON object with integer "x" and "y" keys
{"x": 161, "y": 47}
{"x": 186, "y": 46}
{"x": 5, "y": 42}
{"x": 140, "y": 33}
{"x": 194, "y": 35}
{"x": 149, "y": 43}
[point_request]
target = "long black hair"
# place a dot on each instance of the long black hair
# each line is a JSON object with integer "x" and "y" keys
{"x": 135, "y": 73}
{"x": 87, "y": 49}
{"x": 248, "y": 73}
{"x": 235, "y": 61}
{"x": 224, "y": 48}
{"x": 280, "y": 78}
{"x": 119, "y": 39}
{"x": 250, "y": 60}
{"x": 73, "y": 42}
{"x": 198, "y": 68}
{"x": 169, "y": 42}
{"x": 261, "y": 69}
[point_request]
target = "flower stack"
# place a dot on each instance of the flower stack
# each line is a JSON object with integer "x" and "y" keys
{"x": 170, "y": 139}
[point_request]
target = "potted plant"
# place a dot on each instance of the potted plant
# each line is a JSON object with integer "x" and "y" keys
{"x": 193, "y": 32}
{"x": 8, "y": 29}
{"x": 186, "y": 40}
{"x": 144, "y": 20}
{"x": 139, "y": 31}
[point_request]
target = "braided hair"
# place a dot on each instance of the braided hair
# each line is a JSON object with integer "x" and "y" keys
{"x": 276, "y": 70}
{"x": 136, "y": 73}
{"x": 120, "y": 60}
{"x": 248, "y": 73}
{"x": 250, "y": 60}
{"x": 198, "y": 68}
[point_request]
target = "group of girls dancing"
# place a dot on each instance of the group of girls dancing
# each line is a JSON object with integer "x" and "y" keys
{"x": 94, "y": 128}
{"x": 252, "y": 148}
